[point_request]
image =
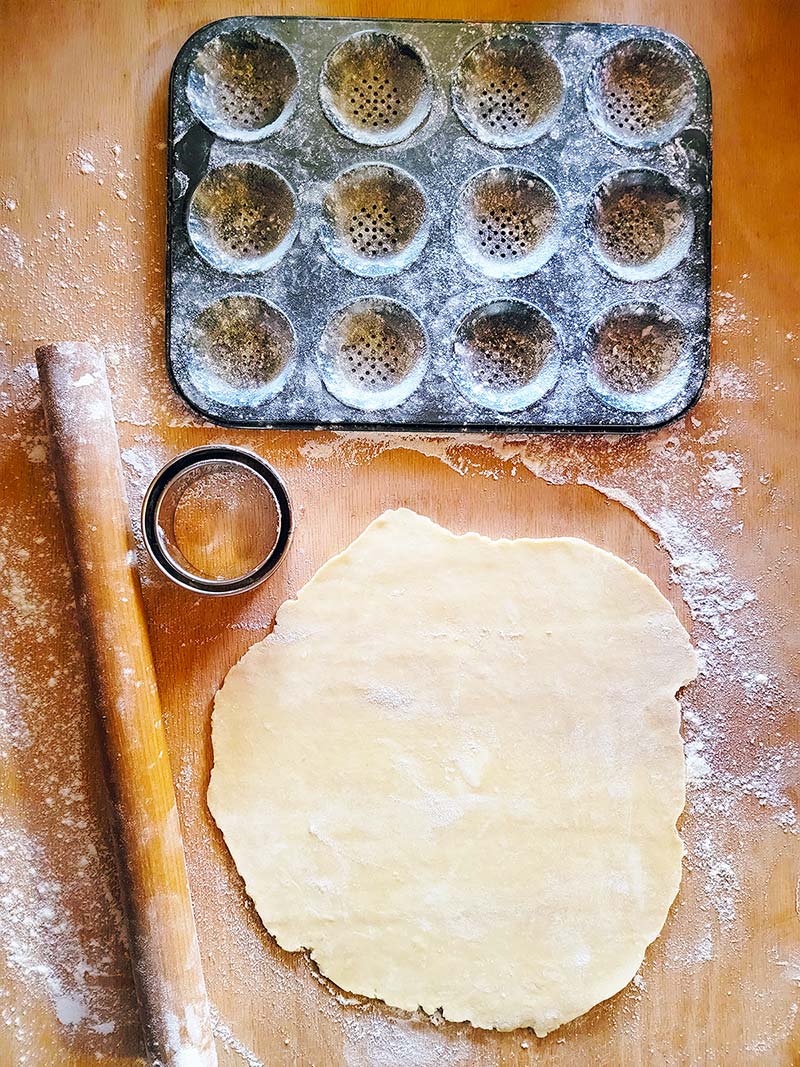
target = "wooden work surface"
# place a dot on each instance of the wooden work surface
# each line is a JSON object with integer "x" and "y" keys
{"x": 83, "y": 111}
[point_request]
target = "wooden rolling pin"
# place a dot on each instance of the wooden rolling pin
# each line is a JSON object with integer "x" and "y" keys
{"x": 85, "y": 456}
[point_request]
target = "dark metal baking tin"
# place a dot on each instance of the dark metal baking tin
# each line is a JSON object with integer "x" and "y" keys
{"x": 439, "y": 287}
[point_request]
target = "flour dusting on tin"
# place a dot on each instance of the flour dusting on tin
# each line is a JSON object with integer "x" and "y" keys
{"x": 504, "y": 174}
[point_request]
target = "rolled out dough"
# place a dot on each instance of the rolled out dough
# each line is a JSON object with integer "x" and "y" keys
{"x": 452, "y": 772}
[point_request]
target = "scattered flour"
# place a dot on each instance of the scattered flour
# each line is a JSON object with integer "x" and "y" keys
{"x": 224, "y": 1033}
{"x": 730, "y": 381}
{"x": 58, "y": 880}
{"x": 698, "y": 769}
{"x": 84, "y": 161}
{"x": 11, "y": 256}
{"x": 375, "y": 1041}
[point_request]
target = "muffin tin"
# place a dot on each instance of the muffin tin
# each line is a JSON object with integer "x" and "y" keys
{"x": 438, "y": 225}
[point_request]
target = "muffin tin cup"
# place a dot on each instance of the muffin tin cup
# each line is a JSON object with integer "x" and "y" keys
{"x": 385, "y": 218}
{"x": 641, "y": 92}
{"x": 375, "y": 88}
{"x": 507, "y": 355}
{"x": 242, "y": 218}
{"x": 641, "y": 226}
{"x": 638, "y": 356}
{"x": 374, "y": 220}
{"x": 373, "y": 354}
{"x": 507, "y": 222}
{"x": 243, "y": 85}
{"x": 240, "y": 350}
{"x": 508, "y": 91}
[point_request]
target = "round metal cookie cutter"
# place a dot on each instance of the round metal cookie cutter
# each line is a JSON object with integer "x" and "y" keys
{"x": 171, "y": 485}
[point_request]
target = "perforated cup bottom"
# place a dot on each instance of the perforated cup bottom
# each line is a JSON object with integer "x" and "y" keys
{"x": 242, "y": 218}
{"x": 637, "y": 357}
{"x": 640, "y": 224}
{"x": 507, "y": 222}
{"x": 508, "y": 91}
{"x": 374, "y": 354}
{"x": 375, "y": 88}
{"x": 239, "y": 350}
{"x": 507, "y": 355}
{"x": 641, "y": 92}
{"x": 242, "y": 85}
{"x": 374, "y": 220}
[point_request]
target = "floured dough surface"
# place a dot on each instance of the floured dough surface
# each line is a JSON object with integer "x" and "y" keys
{"x": 452, "y": 772}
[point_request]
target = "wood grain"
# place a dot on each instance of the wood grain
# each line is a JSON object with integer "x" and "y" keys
{"x": 87, "y": 77}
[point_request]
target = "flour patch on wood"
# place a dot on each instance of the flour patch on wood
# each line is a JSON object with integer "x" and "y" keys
{"x": 57, "y": 883}
{"x": 375, "y": 1041}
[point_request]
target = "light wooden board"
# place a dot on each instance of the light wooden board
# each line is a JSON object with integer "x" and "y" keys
{"x": 720, "y": 987}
